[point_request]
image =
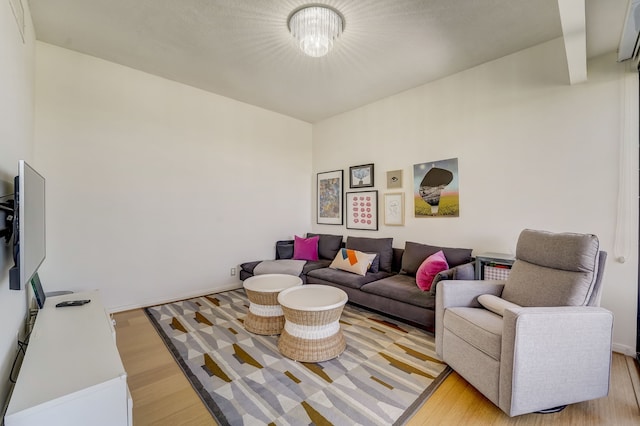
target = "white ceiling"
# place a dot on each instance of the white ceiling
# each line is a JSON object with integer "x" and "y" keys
{"x": 242, "y": 48}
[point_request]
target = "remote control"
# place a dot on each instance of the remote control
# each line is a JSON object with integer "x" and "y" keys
{"x": 72, "y": 303}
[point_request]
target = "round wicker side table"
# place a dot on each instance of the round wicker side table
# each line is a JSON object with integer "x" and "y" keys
{"x": 312, "y": 329}
{"x": 265, "y": 315}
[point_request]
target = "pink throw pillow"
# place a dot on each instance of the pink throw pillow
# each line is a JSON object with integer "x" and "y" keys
{"x": 306, "y": 248}
{"x": 431, "y": 266}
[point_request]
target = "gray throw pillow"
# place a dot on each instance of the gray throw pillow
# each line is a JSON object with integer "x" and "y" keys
{"x": 284, "y": 249}
{"x": 375, "y": 265}
{"x": 382, "y": 246}
{"x": 328, "y": 245}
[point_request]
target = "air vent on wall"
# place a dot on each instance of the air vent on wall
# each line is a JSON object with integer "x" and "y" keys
{"x": 629, "y": 42}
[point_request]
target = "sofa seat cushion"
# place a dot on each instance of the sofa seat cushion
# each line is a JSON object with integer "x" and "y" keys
{"x": 402, "y": 288}
{"x": 312, "y": 266}
{"x": 479, "y": 327}
{"x": 346, "y": 279}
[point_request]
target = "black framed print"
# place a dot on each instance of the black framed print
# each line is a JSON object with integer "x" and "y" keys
{"x": 329, "y": 203}
{"x": 361, "y": 176}
{"x": 362, "y": 210}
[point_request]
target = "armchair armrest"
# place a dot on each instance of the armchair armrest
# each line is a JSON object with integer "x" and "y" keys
{"x": 460, "y": 293}
{"x": 465, "y": 293}
{"x": 566, "y": 351}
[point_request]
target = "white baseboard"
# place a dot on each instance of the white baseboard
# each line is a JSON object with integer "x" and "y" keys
{"x": 624, "y": 349}
{"x": 184, "y": 296}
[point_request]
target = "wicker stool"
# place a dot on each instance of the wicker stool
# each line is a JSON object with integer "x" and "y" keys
{"x": 312, "y": 329}
{"x": 265, "y": 315}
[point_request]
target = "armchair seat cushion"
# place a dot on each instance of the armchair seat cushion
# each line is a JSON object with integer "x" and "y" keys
{"x": 478, "y": 327}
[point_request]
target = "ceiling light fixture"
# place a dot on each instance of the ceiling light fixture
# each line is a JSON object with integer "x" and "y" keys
{"x": 315, "y": 27}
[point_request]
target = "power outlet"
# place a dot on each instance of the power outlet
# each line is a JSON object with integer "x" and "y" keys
{"x": 233, "y": 272}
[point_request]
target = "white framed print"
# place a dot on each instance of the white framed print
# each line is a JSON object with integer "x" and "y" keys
{"x": 394, "y": 209}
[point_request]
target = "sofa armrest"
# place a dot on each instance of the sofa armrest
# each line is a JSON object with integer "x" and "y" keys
{"x": 466, "y": 271}
{"x": 460, "y": 293}
{"x": 463, "y": 272}
{"x": 554, "y": 356}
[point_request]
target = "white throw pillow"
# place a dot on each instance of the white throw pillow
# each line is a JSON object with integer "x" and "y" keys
{"x": 353, "y": 261}
{"x": 496, "y": 304}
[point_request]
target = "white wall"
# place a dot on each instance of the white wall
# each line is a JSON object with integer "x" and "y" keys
{"x": 533, "y": 152}
{"x": 16, "y": 142}
{"x": 156, "y": 189}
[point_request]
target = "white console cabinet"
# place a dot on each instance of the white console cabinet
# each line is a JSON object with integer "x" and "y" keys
{"x": 72, "y": 373}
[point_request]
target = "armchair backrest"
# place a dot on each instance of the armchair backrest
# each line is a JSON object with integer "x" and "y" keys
{"x": 554, "y": 269}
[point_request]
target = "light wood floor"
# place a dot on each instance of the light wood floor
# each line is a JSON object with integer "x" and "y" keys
{"x": 163, "y": 396}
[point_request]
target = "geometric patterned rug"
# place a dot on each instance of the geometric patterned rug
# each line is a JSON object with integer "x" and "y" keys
{"x": 386, "y": 373}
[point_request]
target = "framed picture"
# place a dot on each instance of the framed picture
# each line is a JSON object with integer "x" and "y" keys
{"x": 362, "y": 210}
{"x": 329, "y": 194}
{"x": 361, "y": 176}
{"x": 436, "y": 190}
{"x": 394, "y": 179}
{"x": 394, "y": 209}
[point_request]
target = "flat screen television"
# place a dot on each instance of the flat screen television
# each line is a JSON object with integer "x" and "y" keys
{"x": 28, "y": 227}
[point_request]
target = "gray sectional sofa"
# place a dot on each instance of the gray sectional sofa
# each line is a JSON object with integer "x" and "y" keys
{"x": 390, "y": 285}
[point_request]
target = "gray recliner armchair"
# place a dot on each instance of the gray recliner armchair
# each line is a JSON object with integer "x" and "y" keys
{"x": 537, "y": 340}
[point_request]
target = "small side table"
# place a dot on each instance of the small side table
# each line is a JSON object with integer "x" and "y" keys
{"x": 265, "y": 315}
{"x": 312, "y": 323}
{"x": 494, "y": 260}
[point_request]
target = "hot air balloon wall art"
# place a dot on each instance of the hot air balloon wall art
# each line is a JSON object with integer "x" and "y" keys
{"x": 436, "y": 189}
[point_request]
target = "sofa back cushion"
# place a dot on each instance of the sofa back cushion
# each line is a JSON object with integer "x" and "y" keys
{"x": 328, "y": 245}
{"x": 552, "y": 269}
{"x": 382, "y": 246}
{"x": 416, "y": 253}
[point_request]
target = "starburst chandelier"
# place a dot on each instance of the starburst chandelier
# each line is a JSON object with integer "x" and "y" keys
{"x": 315, "y": 28}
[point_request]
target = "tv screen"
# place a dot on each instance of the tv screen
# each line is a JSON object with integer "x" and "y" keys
{"x": 29, "y": 231}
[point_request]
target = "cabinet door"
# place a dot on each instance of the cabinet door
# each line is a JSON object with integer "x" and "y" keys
{"x": 101, "y": 405}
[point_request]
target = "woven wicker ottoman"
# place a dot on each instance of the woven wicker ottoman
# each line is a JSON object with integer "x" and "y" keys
{"x": 265, "y": 315}
{"x": 312, "y": 329}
